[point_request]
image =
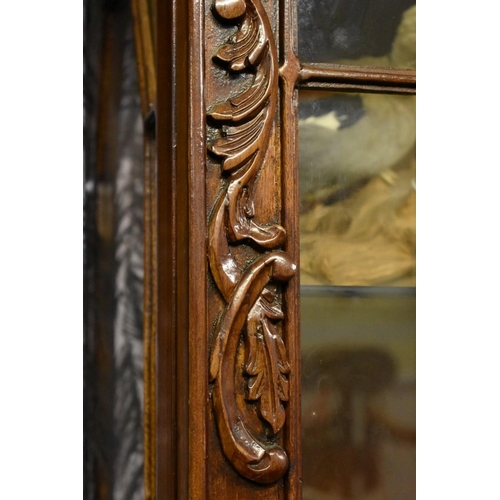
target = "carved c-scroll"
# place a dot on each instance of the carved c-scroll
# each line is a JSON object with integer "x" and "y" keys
{"x": 252, "y": 304}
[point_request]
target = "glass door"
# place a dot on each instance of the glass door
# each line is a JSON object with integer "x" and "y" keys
{"x": 357, "y": 185}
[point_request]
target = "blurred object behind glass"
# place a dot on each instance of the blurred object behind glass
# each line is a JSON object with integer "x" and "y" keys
{"x": 358, "y": 189}
{"x": 357, "y": 174}
{"x": 358, "y": 393}
{"x": 358, "y": 32}
{"x": 113, "y": 266}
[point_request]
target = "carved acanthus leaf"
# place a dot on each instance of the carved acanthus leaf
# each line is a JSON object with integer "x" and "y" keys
{"x": 246, "y": 105}
{"x": 245, "y": 47}
{"x": 239, "y": 143}
{"x": 251, "y": 309}
{"x": 266, "y": 361}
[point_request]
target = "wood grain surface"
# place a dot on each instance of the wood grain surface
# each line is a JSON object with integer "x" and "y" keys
{"x": 224, "y": 221}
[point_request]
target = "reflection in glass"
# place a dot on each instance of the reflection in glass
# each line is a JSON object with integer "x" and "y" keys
{"x": 358, "y": 393}
{"x": 357, "y": 271}
{"x": 357, "y": 189}
{"x": 361, "y": 32}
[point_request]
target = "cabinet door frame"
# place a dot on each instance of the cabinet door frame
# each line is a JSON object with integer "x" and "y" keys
{"x": 185, "y": 454}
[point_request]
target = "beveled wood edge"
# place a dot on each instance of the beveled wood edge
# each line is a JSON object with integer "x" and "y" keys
{"x": 198, "y": 272}
{"x": 182, "y": 366}
{"x": 150, "y": 316}
{"x": 163, "y": 478}
{"x": 289, "y": 71}
{"x": 150, "y": 305}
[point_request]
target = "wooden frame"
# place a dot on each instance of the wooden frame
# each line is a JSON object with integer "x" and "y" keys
{"x": 222, "y": 245}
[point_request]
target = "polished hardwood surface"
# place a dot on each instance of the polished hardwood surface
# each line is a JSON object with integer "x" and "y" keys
{"x": 215, "y": 217}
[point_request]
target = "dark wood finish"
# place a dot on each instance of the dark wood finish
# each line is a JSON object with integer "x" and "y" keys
{"x": 163, "y": 266}
{"x": 222, "y": 83}
{"x": 355, "y": 74}
{"x": 182, "y": 374}
{"x": 336, "y": 77}
{"x": 253, "y": 306}
{"x": 289, "y": 66}
{"x": 223, "y": 217}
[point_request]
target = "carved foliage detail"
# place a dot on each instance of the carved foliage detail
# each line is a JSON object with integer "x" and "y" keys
{"x": 253, "y": 307}
{"x": 267, "y": 362}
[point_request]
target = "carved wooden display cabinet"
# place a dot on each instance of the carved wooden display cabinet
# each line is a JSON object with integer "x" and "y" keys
{"x": 222, "y": 337}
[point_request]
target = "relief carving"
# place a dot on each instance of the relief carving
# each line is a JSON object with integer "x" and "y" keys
{"x": 252, "y": 298}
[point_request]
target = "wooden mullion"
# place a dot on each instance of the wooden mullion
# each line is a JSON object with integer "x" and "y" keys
{"x": 356, "y": 78}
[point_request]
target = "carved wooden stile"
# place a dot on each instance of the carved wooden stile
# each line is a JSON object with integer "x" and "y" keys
{"x": 252, "y": 301}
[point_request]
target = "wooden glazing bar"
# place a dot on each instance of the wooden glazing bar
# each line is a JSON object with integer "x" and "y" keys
{"x": 312, "y": 73}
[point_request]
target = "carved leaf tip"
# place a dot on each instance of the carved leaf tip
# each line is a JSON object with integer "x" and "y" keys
{"x": 266, "y": 361}
{"x": 240, "y": 46}
{"x": 272, "y": 466}
{"x": 266, "y": 236}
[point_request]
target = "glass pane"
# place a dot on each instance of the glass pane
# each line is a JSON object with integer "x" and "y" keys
{"x": 357, "y": 240}
{"x": 361, "y": 32}
{"x": 357, "y": 189}
{"x": 358, "y": 393}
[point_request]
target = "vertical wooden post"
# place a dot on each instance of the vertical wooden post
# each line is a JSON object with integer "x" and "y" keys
{"x": 226, "y": 296}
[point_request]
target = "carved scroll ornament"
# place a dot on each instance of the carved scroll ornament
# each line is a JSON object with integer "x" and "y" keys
{"x": 252, "y": 302}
